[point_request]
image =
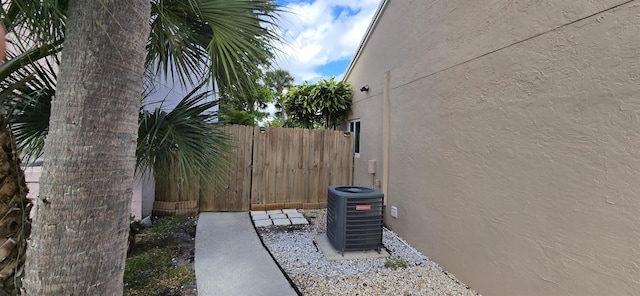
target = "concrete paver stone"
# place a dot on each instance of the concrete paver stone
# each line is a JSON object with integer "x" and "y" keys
{"x": 299, "y": 221}
{"x": 281, "y": 222}
{"x": 278, "y": 216}
{"x": 287, "y": 211}
{"x": 295, "y": 215}
{"x": 274, "y": 212}
{"x": 263, "y": 223}
{"x": 260, "y": 217}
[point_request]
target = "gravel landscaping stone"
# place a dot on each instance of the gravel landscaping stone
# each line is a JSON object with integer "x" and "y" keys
{"x": 295, "y": 250}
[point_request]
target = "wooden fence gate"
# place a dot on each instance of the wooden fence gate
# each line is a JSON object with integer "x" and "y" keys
{"x": 280, "y": 168}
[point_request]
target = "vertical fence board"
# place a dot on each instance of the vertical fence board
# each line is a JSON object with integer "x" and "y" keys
{"x": 205, "y": 198}
{"x": 322, "y": 170}
{"x": 255, "y": 167}
{"x": 245, "y": 205}
{"x": 307, "y": 155}
{"x": 235, "y": 200}
{"x": 295, "y": 156}
{"x": 232, "y": 192}
{"x": 278, "y": 147}
{"x": 314, "y": 172}
{"x": 271, "y": 170}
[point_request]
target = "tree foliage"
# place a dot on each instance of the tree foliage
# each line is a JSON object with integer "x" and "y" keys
{"x": 228, "y": 41}
{"x": 246, "y": 107}
{"x": 222, "y": 42}
{"x": 239, "y": 117}
{"x": 186, "y": 136}
{"x": 278, "y": 81}
{"x": 325, "y": 104}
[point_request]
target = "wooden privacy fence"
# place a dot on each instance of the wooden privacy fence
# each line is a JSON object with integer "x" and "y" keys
{"x": 292, "y": 168}
{"x": 173, "y": 197}
{"x": 275, "y": 168}
{"x": 235, "y": 193}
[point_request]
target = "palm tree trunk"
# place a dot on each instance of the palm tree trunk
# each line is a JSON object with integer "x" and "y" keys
{"x": 14, "y": 214}
{"x": 79, "y": 236}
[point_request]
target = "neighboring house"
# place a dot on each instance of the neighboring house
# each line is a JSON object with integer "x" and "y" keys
{"x": 141, "y": 203}
{"x": 166, "y": 92}
{"x": 507, "y": 135}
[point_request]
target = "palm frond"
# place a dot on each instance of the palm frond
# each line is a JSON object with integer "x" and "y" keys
{"x": 175, "y": 42}
{"x": 225, "y": 41}
{"x": 186, "y": 137}
{"x": 29, "y": 106}
{"x": 36, "y": 22}
{"x": 26, "y": 57}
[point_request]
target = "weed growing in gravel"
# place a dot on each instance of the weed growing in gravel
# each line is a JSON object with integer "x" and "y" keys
{"x": 395, "y": 263}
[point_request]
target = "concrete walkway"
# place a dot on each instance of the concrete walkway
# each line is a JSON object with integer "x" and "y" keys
{"x": 230, "y": 260}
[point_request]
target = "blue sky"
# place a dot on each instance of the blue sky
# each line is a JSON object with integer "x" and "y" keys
{"x": 322, "y": 36}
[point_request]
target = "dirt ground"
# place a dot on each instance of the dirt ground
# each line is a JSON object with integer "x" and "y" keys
{"x": 161, "y": 260}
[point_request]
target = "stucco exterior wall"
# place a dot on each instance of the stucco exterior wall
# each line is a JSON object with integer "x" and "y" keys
{"x": 144, "y": 194}
{"x": 514, "y": 141}
{"x": 371, "y": 149}
{"x": 141, "y": 202}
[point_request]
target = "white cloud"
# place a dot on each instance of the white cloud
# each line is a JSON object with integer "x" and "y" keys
{"x": 315, "y": 35}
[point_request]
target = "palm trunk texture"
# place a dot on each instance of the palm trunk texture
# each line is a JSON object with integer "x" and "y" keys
{"x": 14, "y": 214}
{"x": 79, "y": 235}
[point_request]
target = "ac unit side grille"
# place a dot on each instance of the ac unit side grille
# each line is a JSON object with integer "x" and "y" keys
{"x": 354, "y": 218}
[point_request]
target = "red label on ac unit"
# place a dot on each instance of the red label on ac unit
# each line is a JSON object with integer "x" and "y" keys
{"x": 363, "y": 207}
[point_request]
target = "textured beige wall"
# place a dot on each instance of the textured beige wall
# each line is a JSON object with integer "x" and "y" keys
{"x": 141, "y": 202}
{"x": 515, "y": 139}
{"x": 370, "y": 137}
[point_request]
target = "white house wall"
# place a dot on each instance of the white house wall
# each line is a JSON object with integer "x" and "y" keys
{"x": 514, "y": 142}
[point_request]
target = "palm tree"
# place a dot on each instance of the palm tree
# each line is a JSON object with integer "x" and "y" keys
{"x": 219, "y": 42}
{"x": 14, "y": 205}
{"x": 82, "y": 213}
{"x": 279, "y": 80}
{"x": 17, "y": 76}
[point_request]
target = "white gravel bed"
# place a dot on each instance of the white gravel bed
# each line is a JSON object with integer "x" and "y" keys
{"x": 294, "y": 249}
